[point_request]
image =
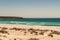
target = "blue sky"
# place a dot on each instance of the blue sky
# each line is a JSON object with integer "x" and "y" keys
{"x": 30, "y": 8}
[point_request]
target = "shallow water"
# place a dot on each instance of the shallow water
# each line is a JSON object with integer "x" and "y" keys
{"x": 33, "y": 21}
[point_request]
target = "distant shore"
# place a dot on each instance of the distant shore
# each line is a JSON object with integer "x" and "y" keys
{"x": 25, "y": 32}
{"x": 10, "y": 17}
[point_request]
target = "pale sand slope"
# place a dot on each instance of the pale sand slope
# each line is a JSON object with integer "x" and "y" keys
{"x": 23, "y": 32}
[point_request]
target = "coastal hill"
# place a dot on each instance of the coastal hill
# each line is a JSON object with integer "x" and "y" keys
{"x": 10, "y": 17}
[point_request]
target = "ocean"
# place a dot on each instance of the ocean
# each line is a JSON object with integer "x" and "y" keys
{"x": 33, "y": 21}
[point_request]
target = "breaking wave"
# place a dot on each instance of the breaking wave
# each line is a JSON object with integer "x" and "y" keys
{"x": 32, "y": 23}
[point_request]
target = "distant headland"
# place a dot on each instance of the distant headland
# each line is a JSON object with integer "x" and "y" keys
{"x": 10, "y": 17}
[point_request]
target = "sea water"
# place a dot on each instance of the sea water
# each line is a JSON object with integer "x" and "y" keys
{"x": 33, "y": 21}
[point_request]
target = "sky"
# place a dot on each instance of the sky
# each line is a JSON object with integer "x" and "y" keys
{"x": 30, "y": 8}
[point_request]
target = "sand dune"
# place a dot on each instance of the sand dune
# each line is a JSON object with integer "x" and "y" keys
{"x": 23, "y": 32}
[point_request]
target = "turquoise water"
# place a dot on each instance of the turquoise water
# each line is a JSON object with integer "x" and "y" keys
{"x": 33, "y": 21}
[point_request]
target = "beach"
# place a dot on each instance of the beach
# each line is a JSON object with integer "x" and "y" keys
{"x": 26, "y": 32}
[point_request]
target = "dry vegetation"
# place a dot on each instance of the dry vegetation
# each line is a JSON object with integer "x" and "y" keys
{"x": 33, "y": 39}
{"x": 31, "y": 31}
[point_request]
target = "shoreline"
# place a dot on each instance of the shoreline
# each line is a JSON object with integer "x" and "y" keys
{"x": 30, "y": 26}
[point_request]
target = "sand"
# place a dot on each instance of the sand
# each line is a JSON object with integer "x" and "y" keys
{"x": 26, "y": 32}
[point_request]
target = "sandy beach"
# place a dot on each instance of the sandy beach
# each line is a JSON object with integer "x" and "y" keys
{"x": 25, "y": 32}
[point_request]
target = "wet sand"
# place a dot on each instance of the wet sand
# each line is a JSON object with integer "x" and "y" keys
{"x": 25, "y": 32}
